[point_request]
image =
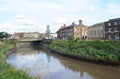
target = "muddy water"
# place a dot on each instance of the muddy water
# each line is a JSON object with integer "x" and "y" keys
{"x": 38, "y": 62}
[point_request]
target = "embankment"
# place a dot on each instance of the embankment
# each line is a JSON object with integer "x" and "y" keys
{"x": 100, "y": 52}
{"x": 7, "y": 71}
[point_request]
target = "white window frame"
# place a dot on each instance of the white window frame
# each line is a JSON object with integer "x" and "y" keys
{"x": 115, "y": 29}
{"x": 109, "y": 23}
{"x": 109, "y": 36}
{"x": 115, "y": 23}
{"x": 116, "y": 36}
{"x": 109, "y": 29}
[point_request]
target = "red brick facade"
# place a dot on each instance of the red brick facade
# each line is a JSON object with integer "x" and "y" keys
{"x": 112, "y": 29}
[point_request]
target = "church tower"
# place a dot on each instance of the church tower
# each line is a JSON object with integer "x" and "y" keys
{"x": 48, "y": 32}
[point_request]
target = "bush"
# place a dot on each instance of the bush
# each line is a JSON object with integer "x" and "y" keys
{"x": 104, "y": 50}
{"x": 1, "y": 44}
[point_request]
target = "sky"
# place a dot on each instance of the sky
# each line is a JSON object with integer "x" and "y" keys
{"x": 35, "y": 15}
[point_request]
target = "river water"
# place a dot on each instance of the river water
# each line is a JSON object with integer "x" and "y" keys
{"x": 38, "y": 62}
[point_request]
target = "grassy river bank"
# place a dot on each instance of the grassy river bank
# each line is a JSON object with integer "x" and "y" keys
{"x": 7, "y": 71}
{"x": 98, "y": 51}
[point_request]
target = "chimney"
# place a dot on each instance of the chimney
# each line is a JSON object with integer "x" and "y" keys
{"x": 73, "y": 23}
{"x": 80, "y": 22}
{"x": 64, "y": 25}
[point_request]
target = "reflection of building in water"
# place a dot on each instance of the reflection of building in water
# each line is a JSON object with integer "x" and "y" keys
{"x": 81, "y": 68}
{"x": 49, "y": 58}
{"x": 81, "y": 73}
{"x": 23, "y": 44}
{"x": 25, "y": 48}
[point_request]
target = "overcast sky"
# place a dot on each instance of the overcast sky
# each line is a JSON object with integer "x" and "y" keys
{"x": 35, "y": 15}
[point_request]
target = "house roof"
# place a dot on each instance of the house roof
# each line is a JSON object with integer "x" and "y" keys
{"x": 74, "y": 25}
{"x": 98, "y": 24}
{"x": 116, "y": 19}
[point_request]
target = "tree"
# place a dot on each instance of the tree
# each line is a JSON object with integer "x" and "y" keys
{"x": 3, "y": 35}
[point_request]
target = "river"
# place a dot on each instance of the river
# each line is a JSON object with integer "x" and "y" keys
{"x": 38, "y": 62}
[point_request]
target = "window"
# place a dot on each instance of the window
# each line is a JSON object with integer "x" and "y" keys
{"x": 95, "y": 32}
{"x": 75, "y": 30}
{"x": 115, "y": 23}
{"x": 109, "y": 29}
{"x": 82, "y": 34}
{"x": 109, "y": 36}
{"x": 98, "y": 32}
{"x": 89, "y": 32}
{"x": 82, "y": 29}
{"x": 115, "y": 29}
{"x": 116, "y": 36}
{"x": 92, "y": 33}
{"x": 101, "y": 32}
{"x": 109, "y": 24}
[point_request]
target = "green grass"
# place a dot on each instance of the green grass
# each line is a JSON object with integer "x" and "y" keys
{"x": 7, "y": 71}
{"x": 103, "y": 50}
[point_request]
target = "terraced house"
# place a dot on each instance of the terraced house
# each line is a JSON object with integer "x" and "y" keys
{"x": 60, "y": 32}
{"x": 112, "y": 29}
{"x": 75, "y": 31}
{"x": 96, "y": 31}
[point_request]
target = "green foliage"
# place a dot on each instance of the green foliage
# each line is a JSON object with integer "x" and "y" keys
{"x": 6, "y": 70}
{"x": 104, "y": 50}
{"x": 3, "y": 35}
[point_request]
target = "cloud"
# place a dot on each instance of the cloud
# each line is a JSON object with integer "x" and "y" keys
{"x": 32, "y": 15}
{"x": 59, "y": 20}
{"x": 23, "y": 24}
{"x": 113, "y": 8}
{"x": 20, "y": 16}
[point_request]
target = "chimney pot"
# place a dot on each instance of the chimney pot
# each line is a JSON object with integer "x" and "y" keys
{"x": 64, "y": 25}
{"x": 73, "y": 23}
{"x": 80, "y": 22}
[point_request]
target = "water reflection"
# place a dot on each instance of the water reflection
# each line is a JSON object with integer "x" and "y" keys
{"x": 40, "y": 63}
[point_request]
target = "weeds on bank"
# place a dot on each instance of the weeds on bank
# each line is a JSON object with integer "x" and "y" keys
{"x": 7, "y": 71}
{"x": 104, "y": 50}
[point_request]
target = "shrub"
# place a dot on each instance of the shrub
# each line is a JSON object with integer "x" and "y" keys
{"x": 104, "y": 50}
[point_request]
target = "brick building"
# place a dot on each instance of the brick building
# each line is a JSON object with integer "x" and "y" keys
{"x": 112, "y": 29}
{"x": 60, "y": 32}
{"x": 74, "y": 31}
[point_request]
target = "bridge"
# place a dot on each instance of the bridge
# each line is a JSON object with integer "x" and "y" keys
{"x": 35, "y": 41}
{"x": 29, "y": 40}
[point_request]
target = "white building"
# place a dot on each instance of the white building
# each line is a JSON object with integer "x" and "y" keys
{"x": 96, "y": 31}
{"x": 53, "y": 35}
{"x": 31, "y": 35}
